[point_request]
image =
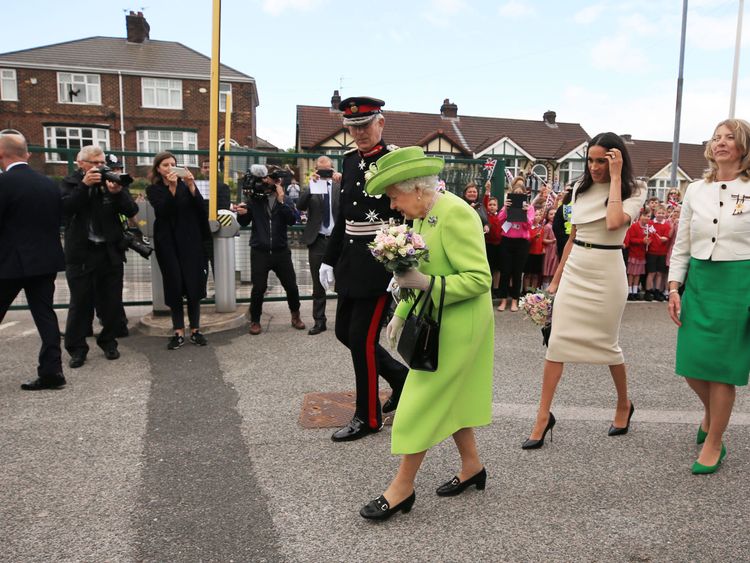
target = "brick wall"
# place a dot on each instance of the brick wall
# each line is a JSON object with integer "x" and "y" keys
{"x": 37, "y": 105}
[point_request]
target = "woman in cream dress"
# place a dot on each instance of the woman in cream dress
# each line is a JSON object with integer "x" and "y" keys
{"x": 590, "y": 282}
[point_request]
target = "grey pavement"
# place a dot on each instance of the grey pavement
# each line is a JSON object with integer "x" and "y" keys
{"x": 197, "y": 455}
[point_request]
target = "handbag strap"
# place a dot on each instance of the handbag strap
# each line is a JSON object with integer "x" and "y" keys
{"x": 442, "y": 299}
{"x": 419, "y": 298}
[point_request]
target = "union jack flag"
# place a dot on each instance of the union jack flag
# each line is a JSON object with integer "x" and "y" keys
{"x": 489, "y": 166}
{"x": 508, "y": 176}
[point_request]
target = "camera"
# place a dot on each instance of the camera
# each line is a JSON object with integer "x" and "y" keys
{"x": 325, "y": 173}
{"x": 134, "y": 241}
{"x": 108, "y": 174}
{"x": 252, "y": 183}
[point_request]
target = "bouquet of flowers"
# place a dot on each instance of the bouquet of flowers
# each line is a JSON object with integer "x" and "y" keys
{"x": 399, "y": 249}
{"x": 538, "y": 307}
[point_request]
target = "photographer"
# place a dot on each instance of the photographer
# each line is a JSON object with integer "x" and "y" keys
{"x": 266, "y": 209}
{"x": 93, "y": 200}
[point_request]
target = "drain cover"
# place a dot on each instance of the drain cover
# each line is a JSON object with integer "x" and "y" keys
{"x": 333, "y": 410}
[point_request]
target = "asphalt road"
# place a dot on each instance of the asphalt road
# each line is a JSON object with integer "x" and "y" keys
{"x": 197, "y": 455}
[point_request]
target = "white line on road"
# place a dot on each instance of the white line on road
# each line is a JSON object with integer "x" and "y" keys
{"x": 8, "y": 324}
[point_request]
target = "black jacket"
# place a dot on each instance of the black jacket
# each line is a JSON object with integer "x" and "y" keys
{"x": 83, "y": 205}
{"x": 30, "y": 216}
{"x": 268, "y": 231}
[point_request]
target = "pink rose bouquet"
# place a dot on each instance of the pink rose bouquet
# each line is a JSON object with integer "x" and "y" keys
{"x": 399, "y": 249}
{"x": 538, "y": 307}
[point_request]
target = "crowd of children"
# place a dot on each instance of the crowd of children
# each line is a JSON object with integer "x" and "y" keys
{"x": 532, "y": 248}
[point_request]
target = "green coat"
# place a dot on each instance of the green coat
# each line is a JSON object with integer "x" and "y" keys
{"x": 434, "y": 405}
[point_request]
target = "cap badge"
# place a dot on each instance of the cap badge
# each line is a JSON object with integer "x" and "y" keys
{"x": 354, "y": 108}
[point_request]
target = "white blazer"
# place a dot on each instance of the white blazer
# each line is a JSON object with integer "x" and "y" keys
{"x": 714, "y": 223}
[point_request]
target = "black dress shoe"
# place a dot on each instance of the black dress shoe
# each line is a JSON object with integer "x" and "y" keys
{"x": 122, "y": 332}
{"x": 379, "y": 509}
{"x": 456, "y": 487}
{"x": 355, "y": 430}
{"x": 77, "y": 361}
{"x": 536, "y": 444}
{"x": 317, "y": 329}
{"x": 392, "y": 402}
{"x": 54, "y": 382}
{"x": 614, "y": 431}
{"x": 112, "y": 354}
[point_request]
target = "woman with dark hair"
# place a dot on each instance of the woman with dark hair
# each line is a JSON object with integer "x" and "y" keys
{"x": 714, "y": 320}
{"x": 179, "y": 230}
{"x": 471, "y": 196}
{"x": 590, "y": 283}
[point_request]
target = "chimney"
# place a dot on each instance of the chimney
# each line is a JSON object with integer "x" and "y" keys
{"x": 448, "y": 110}
{"x": 549, "y": 118}
{"x": 335, "y": 100}
{"x": 137, "y": 27}
{"x": 627, "y": 138}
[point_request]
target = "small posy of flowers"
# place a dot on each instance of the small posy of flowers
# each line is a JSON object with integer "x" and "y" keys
{"x": 537, "y": 307}
{"x": 399, "y": 249}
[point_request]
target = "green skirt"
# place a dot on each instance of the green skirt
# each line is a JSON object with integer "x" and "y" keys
{"x": 713, "y": 343}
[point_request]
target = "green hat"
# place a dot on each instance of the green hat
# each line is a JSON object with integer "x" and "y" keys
{"x": 399, "y": 165}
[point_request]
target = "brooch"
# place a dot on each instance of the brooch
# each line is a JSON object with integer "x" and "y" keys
{"x": 371, "y": 172}
{"x": 739, "y": 205}
{"x": 432, "y": 220}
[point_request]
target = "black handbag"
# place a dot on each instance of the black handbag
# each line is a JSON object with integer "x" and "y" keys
{"x": 420, "y": 337}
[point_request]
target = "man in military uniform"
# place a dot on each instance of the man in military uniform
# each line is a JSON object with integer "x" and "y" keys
{"x": 361, "y": 281}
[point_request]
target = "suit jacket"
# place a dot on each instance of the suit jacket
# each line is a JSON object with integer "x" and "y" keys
{"x": 313, "y": 204}
{"x": 30, "y": 220}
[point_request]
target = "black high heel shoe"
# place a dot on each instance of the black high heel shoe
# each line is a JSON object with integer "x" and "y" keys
{"x": 614, "y": 431}
{"x": 456, "y": 487}
{"x": 379, "y": 509}
{"x": 536, "y": 444}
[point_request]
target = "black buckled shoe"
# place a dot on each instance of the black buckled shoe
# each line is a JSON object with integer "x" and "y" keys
{"x": 456, "y": 487}
{"x": 392, "y": 402}
{"x": 112, "y": 354}
{"x": 379, "y": 509}
{"x": 355, "y": 430}
{"x": 53, "y": 382}
{"x": 317, "y": 329}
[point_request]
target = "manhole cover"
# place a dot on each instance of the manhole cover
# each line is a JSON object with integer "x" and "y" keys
{"x": 333, "y": 410}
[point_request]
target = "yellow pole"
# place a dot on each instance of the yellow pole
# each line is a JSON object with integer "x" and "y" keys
{"x": 213, "y": 149}
{"x": 227, "y": 136}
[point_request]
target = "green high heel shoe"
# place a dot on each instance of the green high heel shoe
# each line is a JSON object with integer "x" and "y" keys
{"x": 700, "y": 469}
{"x": 701, "y": 437}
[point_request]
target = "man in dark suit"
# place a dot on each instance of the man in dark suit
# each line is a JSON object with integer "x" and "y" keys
{"x": 321, "y": 209}
{"x": 30, "y": 252}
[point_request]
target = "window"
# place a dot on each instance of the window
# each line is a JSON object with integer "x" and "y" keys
{"x": 78, "y": 88}
{"x": 514, "y": 166}
{"x": 658, "y": 187}
{"x": 8, "y": 85}
{"x": 62, "y": 137}
{"x": 155, "y": 140}
{"x": 570, "y": 170}
{"x": 224, "y": 89}
{"x": 161, "y": 93}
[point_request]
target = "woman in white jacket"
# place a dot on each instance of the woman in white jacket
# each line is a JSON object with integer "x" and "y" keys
{"x": 712, "y": 257}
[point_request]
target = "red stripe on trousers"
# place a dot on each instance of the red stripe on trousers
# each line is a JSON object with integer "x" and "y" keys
{"x": 372, "y": 374}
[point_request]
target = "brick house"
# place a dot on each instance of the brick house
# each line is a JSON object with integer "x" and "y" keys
{"x": 134, "y": 94}
{"x": 548, "y": 148}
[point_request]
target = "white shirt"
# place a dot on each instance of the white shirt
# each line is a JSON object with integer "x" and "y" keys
{"x": 714, "y": 223}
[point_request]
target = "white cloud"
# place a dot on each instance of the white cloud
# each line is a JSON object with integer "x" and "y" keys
{"x": 277, "y": 7}
{"x": 714, "y": 33}
{"x": 589, "y": 14}
{"x": 640, "y": 24}
{"x": 619, "y": 54}
{"x": 516, "y": 9}
{"x": 439, "y": 12}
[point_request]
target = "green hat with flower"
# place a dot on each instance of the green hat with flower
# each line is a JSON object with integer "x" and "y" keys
{"x": 402, "y": 164}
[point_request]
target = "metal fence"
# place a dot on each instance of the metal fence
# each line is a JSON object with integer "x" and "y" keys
{"x": 137, "y": 283}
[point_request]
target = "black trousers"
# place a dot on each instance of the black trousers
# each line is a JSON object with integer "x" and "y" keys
{"x": 315, "y": 253}
{"x": 262, "y": 262}
{"x": 358, "y": 324}
{"x": 514, "y": 261}
{"x": 97, "y": 280}
{"x": 39, "y": 292}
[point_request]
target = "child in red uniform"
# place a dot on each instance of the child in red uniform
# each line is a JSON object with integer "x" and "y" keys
{"x": 656, "y": 254}
{"x": 636, "y": 240}
{"x": 533, "y": 269}
{"x": 493, "y": 239}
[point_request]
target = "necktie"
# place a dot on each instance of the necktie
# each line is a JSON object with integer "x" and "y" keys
{"x": 327, "y": 207}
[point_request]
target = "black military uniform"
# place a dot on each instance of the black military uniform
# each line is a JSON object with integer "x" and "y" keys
{"x": 361, "y": 283}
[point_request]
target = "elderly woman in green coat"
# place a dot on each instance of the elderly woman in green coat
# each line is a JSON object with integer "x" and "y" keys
{"x": 458, "y": 396}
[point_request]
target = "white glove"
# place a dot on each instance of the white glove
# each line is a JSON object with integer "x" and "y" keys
{"x": 326, "y": 276}
{"x": 413, "y": 279}
{"x": 393, "y": 331}
{"x": 393, "y": 288}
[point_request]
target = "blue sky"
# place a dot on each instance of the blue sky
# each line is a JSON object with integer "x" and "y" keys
{"x": 606, "y": 64}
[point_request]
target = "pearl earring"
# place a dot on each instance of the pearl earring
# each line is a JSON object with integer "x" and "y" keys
{"x": 419, "y": 197}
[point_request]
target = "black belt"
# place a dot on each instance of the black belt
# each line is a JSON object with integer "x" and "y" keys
{"x": 598, "y": 246}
